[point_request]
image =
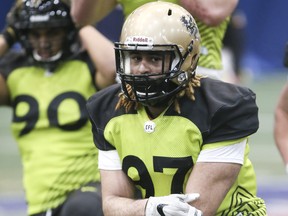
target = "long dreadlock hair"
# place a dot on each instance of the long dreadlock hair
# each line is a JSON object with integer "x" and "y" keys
{"x": 189, "y": 91}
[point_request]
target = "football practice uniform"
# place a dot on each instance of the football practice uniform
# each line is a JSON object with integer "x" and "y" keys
{"x": 158, "y": 155}
{"x": 51, "y": 126}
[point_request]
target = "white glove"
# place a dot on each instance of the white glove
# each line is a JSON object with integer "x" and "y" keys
{"x": 172, "y": 205}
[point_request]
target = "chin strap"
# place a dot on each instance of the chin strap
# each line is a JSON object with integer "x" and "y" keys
{"x": 50, "y": 63}
{"x": 56, "y": 57}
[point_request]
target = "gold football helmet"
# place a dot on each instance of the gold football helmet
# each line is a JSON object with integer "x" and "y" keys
{"x": 165, "y": 28}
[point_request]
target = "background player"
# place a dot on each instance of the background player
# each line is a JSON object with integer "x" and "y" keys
{"x": 47, "y": 86}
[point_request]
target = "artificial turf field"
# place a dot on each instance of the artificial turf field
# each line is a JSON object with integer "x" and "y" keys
{"x": 273, "y": 182}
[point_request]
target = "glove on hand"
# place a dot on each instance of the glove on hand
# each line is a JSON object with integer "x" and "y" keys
{"x": 172, "y": 205}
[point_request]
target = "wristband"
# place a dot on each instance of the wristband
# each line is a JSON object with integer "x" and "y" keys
{"x": 9, "y": 35}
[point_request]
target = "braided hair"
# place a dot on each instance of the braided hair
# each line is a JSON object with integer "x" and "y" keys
{"x": 188, "y": 91}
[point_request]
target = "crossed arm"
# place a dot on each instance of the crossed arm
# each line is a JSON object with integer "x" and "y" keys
{"x": 210, "y": 180}
{"x": 118, "y": 193}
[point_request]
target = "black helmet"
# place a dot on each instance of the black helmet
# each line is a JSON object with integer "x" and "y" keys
{"x": 43, "y": 13}
{"x": 33, "y": 14}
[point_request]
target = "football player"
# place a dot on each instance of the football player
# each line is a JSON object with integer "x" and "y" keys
{"x": 47, "y": 86}
{"x": 181, "y": 139}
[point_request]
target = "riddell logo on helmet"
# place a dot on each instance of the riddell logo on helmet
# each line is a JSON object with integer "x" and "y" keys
{"x": 140, "y": 39}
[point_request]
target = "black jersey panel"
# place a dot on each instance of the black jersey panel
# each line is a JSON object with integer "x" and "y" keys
{"x": 222, "y": 111}
{"x": 12, "y": 60}
{"x": 233, "y": 111}
{"x": 101, "y": 109}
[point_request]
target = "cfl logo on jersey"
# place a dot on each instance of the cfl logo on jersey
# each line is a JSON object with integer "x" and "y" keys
{"x": 149, "y": 127}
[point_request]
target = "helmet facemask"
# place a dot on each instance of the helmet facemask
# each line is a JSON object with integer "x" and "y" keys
{"x": 157, "y": 87}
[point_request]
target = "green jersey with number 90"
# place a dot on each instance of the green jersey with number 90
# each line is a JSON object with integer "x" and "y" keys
{"x": 51, "y": 127}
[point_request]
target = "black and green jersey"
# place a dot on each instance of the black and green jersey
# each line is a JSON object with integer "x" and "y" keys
{"x": 211, "y": 37}
{"x": 158, "y": 155}
{"x": 51, "y": 127}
